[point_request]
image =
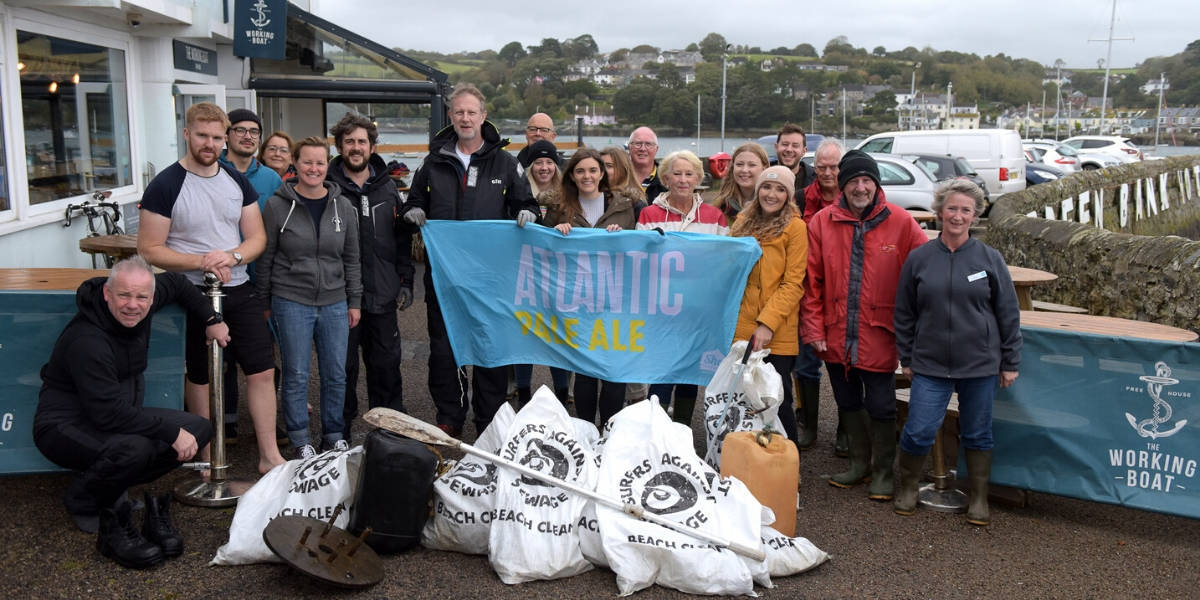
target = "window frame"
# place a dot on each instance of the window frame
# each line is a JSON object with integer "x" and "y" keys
{"x": 23, "y": 214}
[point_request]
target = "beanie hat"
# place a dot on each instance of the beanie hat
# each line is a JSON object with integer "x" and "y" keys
{"x": 238, "y": 115}
{"x": 779, "y": 174}
{"x": 543, "y": 149}
{"x": 855, "y": 163}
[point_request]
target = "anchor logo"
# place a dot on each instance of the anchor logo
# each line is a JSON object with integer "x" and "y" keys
{"x": 1162, "y": 411}
{"x": 263, "y": 19}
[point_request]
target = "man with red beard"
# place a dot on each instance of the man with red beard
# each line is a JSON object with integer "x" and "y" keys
{"x": 200, "y": 216}
{"x": 387, "y": 270}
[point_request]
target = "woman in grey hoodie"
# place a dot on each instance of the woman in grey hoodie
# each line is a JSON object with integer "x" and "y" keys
{"x": 310, "y": 271}
{"x": 958, "y": 329}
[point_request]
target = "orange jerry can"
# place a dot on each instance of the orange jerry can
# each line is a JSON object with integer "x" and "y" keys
{"x": 769, "y": 464}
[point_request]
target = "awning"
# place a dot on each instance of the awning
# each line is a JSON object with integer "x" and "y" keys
{"x": 329, "y": 62}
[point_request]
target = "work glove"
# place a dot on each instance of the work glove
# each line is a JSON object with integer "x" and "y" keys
{"x": 525, "y": 217}
{"x": 415, "y": 216}
{"x": 404, "y": 300}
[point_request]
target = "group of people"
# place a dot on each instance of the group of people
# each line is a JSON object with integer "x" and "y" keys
{"x": 316, "y": 251}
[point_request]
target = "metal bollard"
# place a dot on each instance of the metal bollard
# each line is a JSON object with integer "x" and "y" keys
{"x": 219, "y": 490}
{"x": 941, "y": 495}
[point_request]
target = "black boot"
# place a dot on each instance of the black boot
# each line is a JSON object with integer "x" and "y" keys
{"x": 158, "y": 527}
{"x": 908, "y": 473}
{"x": 119, "y": 540}
{"x": 979, "y": 470}
{"x": 806, "y": 415}
{"x": 859, "y": 439}
{"x": 841, "y": 445}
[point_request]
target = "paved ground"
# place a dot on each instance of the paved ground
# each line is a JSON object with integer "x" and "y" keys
{"x": 1053, "y": 548}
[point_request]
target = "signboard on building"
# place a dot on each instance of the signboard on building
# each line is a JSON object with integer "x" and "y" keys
{"x": 194, "y": 58}
{"x": 259, "y": 28}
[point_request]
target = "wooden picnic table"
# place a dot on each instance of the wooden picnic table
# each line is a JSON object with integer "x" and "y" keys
{"x": 47, "y": 279}
{"x": 923, "y": 216}
{"x": 1023, "y": 279}
{"x": 115, "y": 247}
{"x": 1100, "y": 325}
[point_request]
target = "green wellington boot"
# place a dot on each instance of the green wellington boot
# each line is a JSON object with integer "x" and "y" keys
{"x": 909, "y": 485}
{"x": 806, "y": 415}
{"x": 979, "y": 470}
{"x": 857, "y": 423}
{"x": 883, "y": 459}
{"x": 841, "y": 447}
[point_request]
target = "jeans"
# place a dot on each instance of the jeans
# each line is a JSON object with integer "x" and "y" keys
{"x": 300, "y": 325}
{"x": 523, "y": 374}
{"x": 611, "y": 399}
{"x": 927, "y": 407}
{"x": 808, "y": 366}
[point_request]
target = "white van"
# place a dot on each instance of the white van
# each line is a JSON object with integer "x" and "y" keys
{"x": 996, "y": 154}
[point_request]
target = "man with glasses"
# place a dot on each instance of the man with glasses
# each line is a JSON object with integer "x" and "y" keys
{"x": 540, "y": 127}
{"x": 466, "y": 176}
{"x": 643, "y": 145}
{"x": 245, "y": 131}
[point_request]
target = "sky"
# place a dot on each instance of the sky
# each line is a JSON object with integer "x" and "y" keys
{"x": 1041, "y": 31}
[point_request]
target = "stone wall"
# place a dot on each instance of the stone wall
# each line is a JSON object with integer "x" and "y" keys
{"x": 1108, "y": 270}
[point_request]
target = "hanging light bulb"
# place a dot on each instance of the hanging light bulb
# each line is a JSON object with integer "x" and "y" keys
{"x": 53, "y": 87}
{"x": 75, "y": 79}
{"x": 20, "y": 66}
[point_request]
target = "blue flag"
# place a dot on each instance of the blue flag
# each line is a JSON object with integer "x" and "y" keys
{"x": 630, "y": 306}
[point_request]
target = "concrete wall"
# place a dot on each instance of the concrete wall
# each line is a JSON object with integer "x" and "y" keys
{"x": 1110, "y": 270}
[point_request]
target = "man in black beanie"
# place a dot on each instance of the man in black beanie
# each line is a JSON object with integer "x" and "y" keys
{"x": 856, "y": 249}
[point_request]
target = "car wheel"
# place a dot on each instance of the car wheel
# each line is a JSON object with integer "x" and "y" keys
{"x": 1090, "y": 167}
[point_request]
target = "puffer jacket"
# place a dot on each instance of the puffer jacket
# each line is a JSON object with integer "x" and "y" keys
{"x": 492, "y": 188}
{"x": 774, "y": 289}
{"x": 619, "y": 209}
{"x": 300, "y": 266}
{"x": 853, "y": 270}
{"x": 384, "y": 248}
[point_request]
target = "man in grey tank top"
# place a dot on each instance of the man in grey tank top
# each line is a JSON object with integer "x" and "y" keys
{"x": 199, "y": 216}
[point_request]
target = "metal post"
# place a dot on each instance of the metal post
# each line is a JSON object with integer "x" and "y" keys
{"x": 1058, "y": 99}
{"x": 843, "y": 113}
{"x": 579, "y": 130}
{"x": 1162, "y": 77}
{"x": 912, "y": 96}
{"x": 949, "y": 103}
{"x": 724, "y": 57}
{"x": 698, "y": 126}
{"x": 940, "y": 495}
{"x": 219, "y": 490}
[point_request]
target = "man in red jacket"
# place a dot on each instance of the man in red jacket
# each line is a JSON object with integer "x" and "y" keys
{"x": 856, "y": 249}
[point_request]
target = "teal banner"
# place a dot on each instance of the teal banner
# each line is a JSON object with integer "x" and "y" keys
{"x": 630, "y": 306}
{"x": 1103, "y": 418}
{"x": 30, "y": 323}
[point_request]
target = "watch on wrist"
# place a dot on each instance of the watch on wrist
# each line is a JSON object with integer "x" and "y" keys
{"x": 237, "y": 257}
{"x": 213, "y": 320}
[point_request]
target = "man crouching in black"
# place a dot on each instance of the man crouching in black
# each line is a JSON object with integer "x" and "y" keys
{"x": 90, "y": 417}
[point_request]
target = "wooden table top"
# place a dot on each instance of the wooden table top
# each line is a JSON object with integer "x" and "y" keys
{"x": 47, "y": 279}
{"x": 1027, "y": 276}
{"x": 932, "y": 234}
{"x": 1106, "y": 326}
{"x": 923, "y": 216}
{"x": 116, "y": 245}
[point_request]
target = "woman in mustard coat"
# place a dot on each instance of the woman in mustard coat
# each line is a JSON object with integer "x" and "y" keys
{"x": 770, "y": 311}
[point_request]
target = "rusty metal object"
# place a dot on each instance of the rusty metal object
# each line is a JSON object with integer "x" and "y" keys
{"x": 324, "y": 552}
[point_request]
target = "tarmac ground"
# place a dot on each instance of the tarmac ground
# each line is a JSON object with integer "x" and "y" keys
{"x": 1054, "y": 547}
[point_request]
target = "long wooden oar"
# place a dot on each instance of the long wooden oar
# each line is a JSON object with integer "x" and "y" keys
{"x": 411, "y": 427}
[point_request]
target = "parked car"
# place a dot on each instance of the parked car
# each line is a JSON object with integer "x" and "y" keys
{"x": 905, "y": 184}
{"x": 1067, "y": 159}
{"x": 946, "y": 167}
{"x": 811, "y": 141}
{"x": 1036, "y": 172}
{"x": 1112, "y": 145}
{"x": 995, "y": 153}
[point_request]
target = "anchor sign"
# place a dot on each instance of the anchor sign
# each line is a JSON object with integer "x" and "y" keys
{"x": 1162, "y": 410}
{"x": 262, "y": 19}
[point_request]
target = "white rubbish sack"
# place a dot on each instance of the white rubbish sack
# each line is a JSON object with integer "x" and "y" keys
{"x": 463, "y": 497}
{"x": 789, "y": 556}
{"x": 747, "y": 404}
{"x": 648, "y": 460}
{"x": 534, "y": 534}
{"x": 312, "y": 487}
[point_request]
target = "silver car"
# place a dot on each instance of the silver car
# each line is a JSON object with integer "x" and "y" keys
{"x": 905, "y": 184}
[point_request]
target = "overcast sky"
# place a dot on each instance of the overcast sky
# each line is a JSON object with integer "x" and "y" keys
{"x": 1038, "y": 30}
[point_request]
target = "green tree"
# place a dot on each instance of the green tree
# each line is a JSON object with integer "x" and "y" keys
{"x": 632, "y": 103}
{"x": 712, "y": 46}
{"x": 512, "y": 52}
{"x": 806, "y": 50}
{"x": 581, "y": 47}
{"x": 881, "y": 103}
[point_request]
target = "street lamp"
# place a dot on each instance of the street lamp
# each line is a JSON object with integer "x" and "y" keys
{"x": 912, "y": 95}
{"x": 949, "y": 103}
{"x": 724, "y": 62}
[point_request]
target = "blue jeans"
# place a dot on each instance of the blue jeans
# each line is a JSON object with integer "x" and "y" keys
{"x": 299, "y": 326}
{"x": 523, "y": 374}
{"x": 808, "y": 366}
{"x": 927, "y": 407}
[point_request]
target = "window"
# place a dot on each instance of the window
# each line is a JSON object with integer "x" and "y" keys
{"x": 892, "y": 174}
{"x": 878, "y": 145}
{"x": 75, "y": 115}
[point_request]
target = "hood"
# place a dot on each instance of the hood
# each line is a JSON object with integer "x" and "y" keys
{"x": 337, "y": 173}
{"x": 254, "y": 164}
{"x": 89, "y": 299}
{"x": 287, "y": 191}
{"x": 443, "y": 143}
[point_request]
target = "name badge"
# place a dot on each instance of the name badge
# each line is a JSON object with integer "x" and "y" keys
{"x": 472, "y": 175}
{"x": 976, "y": 276}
